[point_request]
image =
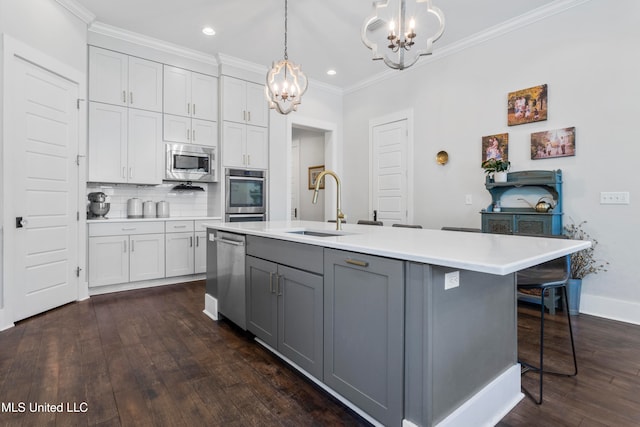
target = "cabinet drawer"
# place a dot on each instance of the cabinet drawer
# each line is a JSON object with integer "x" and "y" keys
{"x": 120, "y": 228}
{"x": 179, "y": 226}
{"x": 298, "y": 255}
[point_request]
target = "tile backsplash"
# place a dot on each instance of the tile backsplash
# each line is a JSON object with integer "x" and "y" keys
{"x": 181, "y": 203}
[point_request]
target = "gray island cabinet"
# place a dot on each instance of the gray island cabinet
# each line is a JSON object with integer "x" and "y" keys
{"x": 406, "y": 327}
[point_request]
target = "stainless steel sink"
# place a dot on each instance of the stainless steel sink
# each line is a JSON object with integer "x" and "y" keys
{"x": 317, "y": 233}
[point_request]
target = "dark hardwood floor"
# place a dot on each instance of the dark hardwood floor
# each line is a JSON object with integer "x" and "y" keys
{"x": 151, "y": 357}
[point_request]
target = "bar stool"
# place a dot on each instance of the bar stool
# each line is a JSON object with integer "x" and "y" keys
{"x": 551, "y": 275}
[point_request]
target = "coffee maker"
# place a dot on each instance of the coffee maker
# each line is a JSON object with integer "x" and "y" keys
{"x": 98, "y": 207}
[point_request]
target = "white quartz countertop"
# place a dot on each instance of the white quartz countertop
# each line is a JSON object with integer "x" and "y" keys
{"x": 483, "y": 252}
{"x": 172, "y": 218}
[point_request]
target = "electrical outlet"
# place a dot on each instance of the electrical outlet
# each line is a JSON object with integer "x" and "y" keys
{"x": 468, "y": 200}
{"x": 451, "y": 280}
{"x": 614, "y": 198}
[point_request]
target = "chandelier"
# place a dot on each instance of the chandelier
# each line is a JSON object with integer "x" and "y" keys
{"x": 406, "y": 45}
{"x": 286, "y": 83}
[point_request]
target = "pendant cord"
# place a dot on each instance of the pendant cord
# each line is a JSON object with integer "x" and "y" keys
{"x": 285, "y": 31}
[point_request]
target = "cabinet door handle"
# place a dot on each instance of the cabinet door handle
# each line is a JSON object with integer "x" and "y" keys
{"x": 124, "y": 96}
{"x": 188, "y": 108}
{"x": 197, "y": 241}
{"x": 194, "y": 110}
{"x": 125, "y": 246}
{"x": 244, "y": 115}
{"x": 124, "y": 172}
{"x": 248, "y": 159}
{"x": 244, "y": 159}
{"x": 131, "y": 172}
{"x": 357, "y": 262}
{"x": 187, "y": 134}
{"x": 249, "y": 116}
{"x": 132, "y": 247}
{"x": 131, "y": 98}
{"x": 271, "y": 282}
{"x": 280, "y": 288}
{"x": 193, "y": 135}
{"x": 190, "y": 241}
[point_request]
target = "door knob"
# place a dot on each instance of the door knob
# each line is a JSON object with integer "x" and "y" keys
{"x": 21, "y": 222}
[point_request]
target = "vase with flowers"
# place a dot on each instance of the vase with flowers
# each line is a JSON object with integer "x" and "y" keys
{"x": 583, "y": 263}
{"x": 497, "y": 169}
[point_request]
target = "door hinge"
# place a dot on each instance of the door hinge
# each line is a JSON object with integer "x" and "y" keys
{"x": 78, "y": 270}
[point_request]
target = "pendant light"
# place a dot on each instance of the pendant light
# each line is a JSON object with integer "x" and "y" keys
{"x": 286, "y": 83}
{"x": 408, "y": 37}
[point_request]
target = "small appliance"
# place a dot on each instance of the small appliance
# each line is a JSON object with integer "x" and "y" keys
{"x": 98, "y": 207}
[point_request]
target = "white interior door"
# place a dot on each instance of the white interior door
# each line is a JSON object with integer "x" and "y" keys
{"x": 42, "y": 147}
{"x": 389, "y": 168}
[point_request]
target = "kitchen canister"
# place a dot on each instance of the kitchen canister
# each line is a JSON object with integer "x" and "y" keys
{"x": 134, "y": 208}
{"x": 162, "y": 209}
{"x": 149, "y": 209}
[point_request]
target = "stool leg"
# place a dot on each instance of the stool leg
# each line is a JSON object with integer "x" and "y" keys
{"x": 573, "y": 348}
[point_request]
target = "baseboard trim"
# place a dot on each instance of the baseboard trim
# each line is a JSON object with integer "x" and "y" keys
{"x": 210, "y": 307}
{"x": 129, "y": 286}
{"x": 489, "y": 405}
{"x": 609, "y": 308}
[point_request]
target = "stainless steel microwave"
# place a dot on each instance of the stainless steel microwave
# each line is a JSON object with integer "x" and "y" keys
{"x": 186, "y": 162}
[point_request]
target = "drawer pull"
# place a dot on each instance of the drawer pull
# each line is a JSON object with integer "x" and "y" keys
{"x": 357, "y": 262}
{"x": 128, "y": 228}
{"x": 271, "y": 282}
{"x": 179, "y": 226}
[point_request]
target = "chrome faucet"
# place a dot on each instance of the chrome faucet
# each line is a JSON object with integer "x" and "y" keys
{"x": 339, "y": 214}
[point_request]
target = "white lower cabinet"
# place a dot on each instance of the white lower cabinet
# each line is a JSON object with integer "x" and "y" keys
{"x": 180, "y": 254}
{"x": 122, "y": 252}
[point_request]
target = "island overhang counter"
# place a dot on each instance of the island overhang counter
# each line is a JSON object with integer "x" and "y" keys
{"x": 406, "y": 326}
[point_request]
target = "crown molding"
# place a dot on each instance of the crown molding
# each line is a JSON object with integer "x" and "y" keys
{"x": 78, "y": 10}
{"x": 232, "y": 61}
{"x": 150, "y": 42}
{"x": 325, "y": 87}
{"x": 501, "y": 29}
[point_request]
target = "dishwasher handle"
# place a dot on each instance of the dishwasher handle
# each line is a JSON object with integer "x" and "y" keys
{"x": 230, "y": 242}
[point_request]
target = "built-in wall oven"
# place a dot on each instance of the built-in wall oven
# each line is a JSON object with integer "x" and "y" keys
{"x": 246, "y": 195}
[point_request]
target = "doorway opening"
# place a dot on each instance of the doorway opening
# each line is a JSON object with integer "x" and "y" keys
{"x": 307, "y": 157}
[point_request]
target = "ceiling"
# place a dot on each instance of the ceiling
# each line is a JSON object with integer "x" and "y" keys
{"x": 322, "y": 34}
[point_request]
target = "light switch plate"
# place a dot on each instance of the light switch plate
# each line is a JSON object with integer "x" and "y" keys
{"x": 614, "y": 198}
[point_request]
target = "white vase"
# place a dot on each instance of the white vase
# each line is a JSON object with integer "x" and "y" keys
{"x": 500, "y": 177}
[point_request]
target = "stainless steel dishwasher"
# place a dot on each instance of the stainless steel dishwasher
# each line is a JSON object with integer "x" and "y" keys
{"x": 229, "y": 274}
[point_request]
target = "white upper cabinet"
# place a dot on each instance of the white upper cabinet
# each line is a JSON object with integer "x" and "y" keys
{"x": 119, "y": 79}
{"x": 244, "y": 102}
{"x": 125, "y": 145}
{"x": 190, "y": 94}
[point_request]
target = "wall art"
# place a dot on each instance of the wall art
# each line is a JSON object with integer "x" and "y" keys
{"x": 314, "y": 171}
{"x": 553, "y": 143}
{"x": 495, "y": 147}
{"x": 527, "y": 105}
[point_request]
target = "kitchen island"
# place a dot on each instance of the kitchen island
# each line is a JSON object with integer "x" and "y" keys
{"x": 407, "y": 327}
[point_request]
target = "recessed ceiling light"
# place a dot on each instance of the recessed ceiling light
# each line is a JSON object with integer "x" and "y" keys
{"x": 209, "y": 31}
{"x": 332, "y": 72}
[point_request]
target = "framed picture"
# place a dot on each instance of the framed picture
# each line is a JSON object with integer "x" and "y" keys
{"x": 527, "y": 105}
{"x": 495, "y": 147}
{"x": 553, "y": 143}
{"x": 314, "y": 171}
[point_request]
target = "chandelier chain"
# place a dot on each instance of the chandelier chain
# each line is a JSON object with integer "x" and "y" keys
{"x": 285, "y": 30}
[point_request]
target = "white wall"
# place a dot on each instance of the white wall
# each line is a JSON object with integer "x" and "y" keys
{"x": 588, "y": 57}
{"x": 49, "y": 28}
